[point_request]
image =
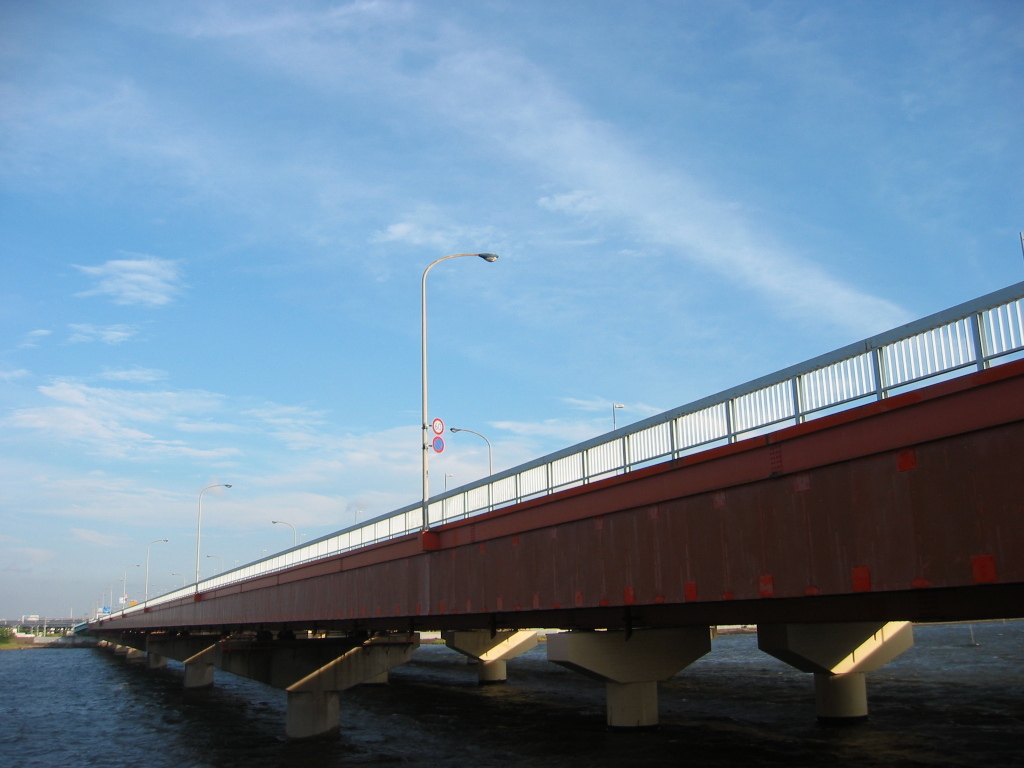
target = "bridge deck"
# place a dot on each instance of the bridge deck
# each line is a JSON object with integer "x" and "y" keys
{"x": 907, "y": 508}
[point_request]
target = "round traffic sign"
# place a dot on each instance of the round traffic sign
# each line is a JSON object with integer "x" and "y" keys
{"x": 438, "y": 426}
{"x": 438, "y": 444}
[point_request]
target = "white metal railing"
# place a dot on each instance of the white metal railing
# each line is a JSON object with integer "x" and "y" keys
{"x": 970, "y": 336}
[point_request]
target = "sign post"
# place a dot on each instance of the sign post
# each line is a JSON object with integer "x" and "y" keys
{"x": 438, "y": 444}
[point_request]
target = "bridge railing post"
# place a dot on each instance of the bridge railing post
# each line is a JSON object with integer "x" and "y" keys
{"x": 980, "y": 353}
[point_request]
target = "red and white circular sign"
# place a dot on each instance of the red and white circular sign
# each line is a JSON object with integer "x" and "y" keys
{"x": 438, "y": 426}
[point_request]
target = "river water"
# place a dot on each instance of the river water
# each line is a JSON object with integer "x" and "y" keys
{"x": 955, "y": 699}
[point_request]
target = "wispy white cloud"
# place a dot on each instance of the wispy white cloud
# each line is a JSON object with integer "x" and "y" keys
{"x": 599, "y": 174}
{"x": 577, "y": 202}
{"x": 292, "y": 417}
{"x": 353, "y": 15}
{"x": 32, "y": 339}
{"x": 206, "y": 426}
{"x": 32, "y": 556}
{"x": 663, "y": 206}
{"x": 422, "y": 229}
{"x": 144, "y": 280}
{"x": 94, "y": 122}
{"x": 628, "y": 411}
{"x": 20, "y": 373}
{"x": 92, "y": 497}
{"x": 595, "y": 170}
{"x": 295, "y": 426}
{"x": 96, "y": 538}
{"x": 80, "y": 425}
{"x": 134, "y": 374}
{"x": 84, "y": 333}
{"x": 107, "y": 419}
{"x": 314, "y": 472}
{"x": 302, "y": 430}
{"x": 563, "y": 431}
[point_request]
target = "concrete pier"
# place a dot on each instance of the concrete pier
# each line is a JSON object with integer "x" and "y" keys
{"x": 491, "y": 650}
{"x": 838, "y": 655}
{"x": 630, "y": 665}
{"x": 311, "y": 670}
{"x": 312, "y": 714}
{"x": 155, "y": 661}
{"x": 199, "y": 668}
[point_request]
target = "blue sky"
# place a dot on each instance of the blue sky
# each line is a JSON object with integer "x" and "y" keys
{"x": 215, "y": 217}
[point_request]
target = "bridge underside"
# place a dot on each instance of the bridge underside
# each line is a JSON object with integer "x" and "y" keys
{"x": 911, "y": 508}
{"x": 976, "y": 603}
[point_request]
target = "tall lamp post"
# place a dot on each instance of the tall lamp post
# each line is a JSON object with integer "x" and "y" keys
{"x": 615, "y": 406}
{"x": 155, "y": 541}
{"x": 282, "y": 522}
{"x": 199, "y": 525}
{"x": 124, "y": 585}
{"x": 423, "y": 372}
{"x": 490, "y": 456}
{"x": 111, "y": 606}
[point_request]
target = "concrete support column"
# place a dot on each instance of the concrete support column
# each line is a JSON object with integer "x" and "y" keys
{"x": 199, "y": 668}
{"x": 491, "y": 650}
{"x": 156, "y": 661}
{"x": 312, "y": 713}
{"x": 631, "y": 704}
{"x": 135, "y": 656}
{"x": 630, "y": 665}
{"x": 838, "y": 655}
{"x": 491, "y": 671}
{"x": 198, "y": 675}
{"x": 841, "y": 697}
{"x": 312, "y": 671}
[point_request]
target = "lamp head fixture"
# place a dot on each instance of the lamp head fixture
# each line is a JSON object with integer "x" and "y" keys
{"x": 488, "y": 256}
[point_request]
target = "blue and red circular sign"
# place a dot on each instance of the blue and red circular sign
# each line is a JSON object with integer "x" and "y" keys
{"x": 438, "y": 444}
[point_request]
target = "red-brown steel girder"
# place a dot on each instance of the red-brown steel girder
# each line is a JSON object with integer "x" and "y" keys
{"x": 906, "y": 508}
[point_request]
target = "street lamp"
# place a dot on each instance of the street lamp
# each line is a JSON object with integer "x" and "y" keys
{"x": 614, "y": 407}
{"x": 282, "y": 522}
{"x": 199, "y": 525}
{"x": 182, "y": 578}
{"x": 218, "y": 557}
{"x": 490, "y": 457}
{"x": 155, "y": 541}
{"x": 423, "y": 372}
{"x": 111, "y": 606}
{"x": 446, "y": 476}
{"x": 124, "y": 584}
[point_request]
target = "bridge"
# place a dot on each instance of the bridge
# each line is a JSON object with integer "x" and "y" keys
{"x": 832, "y": 504}
{"x": 38, "y": 625}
